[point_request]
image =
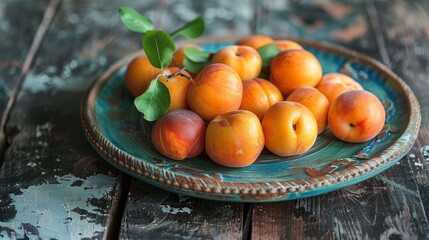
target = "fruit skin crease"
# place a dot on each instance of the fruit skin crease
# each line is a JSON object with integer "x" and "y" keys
{"x": 295, "y": 129}
{"x": 315, "y": 101}
{"x": 259, "y": 95}
{"x": 234, "y": 139}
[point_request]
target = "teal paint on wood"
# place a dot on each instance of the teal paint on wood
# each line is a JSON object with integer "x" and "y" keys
{"x": 61, "y": 210}
{"x": 46, "y": 142}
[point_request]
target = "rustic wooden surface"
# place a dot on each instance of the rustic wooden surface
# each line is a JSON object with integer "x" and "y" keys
{"x": 53, "y": 184}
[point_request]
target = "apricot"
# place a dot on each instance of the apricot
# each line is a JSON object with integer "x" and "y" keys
{"x": 179, "y": 55}
{"x": 255, "y": 41}
{"x": 315, "y": 101}
{"x": 217, "y": 89}
{"x": 177, "y": 86}
{"x": 139, "y": 74}
{"x": 333, "y": 85}
{"x": 179, "y": 134}
{"x": 295, "y": 68}
{"x": 289, "y": 128}
{"x": 286, "y": 44}
{"x": 245, "y": 60}
{"x": 259, "y": 95}
{"x": 356, "y": 116}
{"x": 234, "y": 139}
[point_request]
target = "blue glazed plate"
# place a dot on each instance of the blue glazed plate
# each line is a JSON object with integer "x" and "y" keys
{"x": 120, "y": 135}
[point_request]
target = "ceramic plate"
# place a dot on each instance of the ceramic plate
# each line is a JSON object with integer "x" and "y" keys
{"x": 121, "y": 136}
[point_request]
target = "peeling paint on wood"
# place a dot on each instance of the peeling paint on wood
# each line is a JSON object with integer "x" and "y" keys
{"x": 60, "y": 210}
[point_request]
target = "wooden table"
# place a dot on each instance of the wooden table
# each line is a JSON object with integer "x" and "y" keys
{"x": 53, "y": 185}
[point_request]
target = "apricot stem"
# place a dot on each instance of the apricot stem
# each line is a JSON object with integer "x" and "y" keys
{"x": 179, "y": 73}
{"x": 352, "y": 125}
{"x": 161, "y": 75}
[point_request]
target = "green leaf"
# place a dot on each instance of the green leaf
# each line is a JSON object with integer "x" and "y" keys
{"x": 134, "y": 20}
{"x": 154, "y": 102}
{"x": 268, "y": 53}
{"x": 159, "y": 48}
{"x": 196, "y": 55}
{"x": 192, "y": 29}
{"x": 194, "y": 67}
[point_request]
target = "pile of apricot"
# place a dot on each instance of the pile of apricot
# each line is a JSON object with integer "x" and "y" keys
{"x": 233, "y": 115}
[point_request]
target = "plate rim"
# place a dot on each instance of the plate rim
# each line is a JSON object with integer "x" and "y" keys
{"x": 255, "y": 191}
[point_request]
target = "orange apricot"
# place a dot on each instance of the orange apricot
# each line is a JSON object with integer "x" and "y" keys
{"x": 255, "y": 41}
{"x": 139, "y": 74}
{"x": 179, "y": 134}
{"x": 286, "y": 44}
{"x": 289, "y": 128}
{"x": 217, "y": 89}
{"x": 356, "y": 116}
{"x": 259, "y": 95}
{"x": 295, "y": 68}
{"x": 333, "y": 85}
{"x": 177, "y": 85}
{"x": 315, "y": 101}
{"x": 234, "y": 139}
{"x": 245, "y": 60}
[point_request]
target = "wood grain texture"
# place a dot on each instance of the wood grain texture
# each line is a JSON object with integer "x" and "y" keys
{"x": 19, "y": 25}
{"x": 151, "y": 213}
{"x": 341, "y": 22}
{"x": 379, "y": 208}
{"x": 10, "y": 94}
{"x": 52, "y": 183}
{"x": 387, "y": 206}
{"x": 406, "y": 38}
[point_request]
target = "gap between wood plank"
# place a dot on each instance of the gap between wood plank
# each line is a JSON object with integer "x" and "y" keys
{"x": 374, "y": 21}
{"x": 28, "y": 62}
{"x": 113, "y": 226}
{"x": 247, "y": 221}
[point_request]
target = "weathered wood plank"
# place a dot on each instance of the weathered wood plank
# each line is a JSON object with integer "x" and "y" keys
{"x": 52, "y": 183}
{"x": 19, "y": 25}
{"x": 51, "y": 179}
{"x": 389, "y": 205}
{"x": 12, "y": 85}
{"x": 342, "y": 22}
{"x": 151, "y": 213}
{"x": 406, "y": 37}
{"x": 376, "y": 209}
